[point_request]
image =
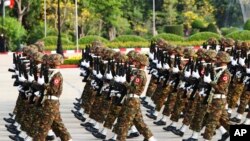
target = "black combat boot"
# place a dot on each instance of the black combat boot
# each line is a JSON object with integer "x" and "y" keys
{"x": 160, "y": 123}
{"x": 152, "y": 116}
{"x": 98, "y": 135}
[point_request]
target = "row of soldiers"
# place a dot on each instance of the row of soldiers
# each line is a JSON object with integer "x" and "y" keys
{"x": 111, "y": 96}
{"x": 203, "y": 87}
{"x": 36, "y": 116}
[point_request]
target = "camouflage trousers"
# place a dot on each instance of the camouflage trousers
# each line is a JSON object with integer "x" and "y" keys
{"x": 88, "y": 100}
{"x": 131, "y": 115}
{"x": 189, "y": 111}
{"x": 179, "y": 106}
{"x": 113, "y": 113}
{"x": 152, "y": 86}
{"x": 51, "y": 119}
{"x": 100, "y": 108}
{"x": 86, "y": 89}
{"x": 216, "y": 115}
{"x": 248, "y": 114}
{"x": 244, "y": 100}
{"x": 19, "y": 109}
{"x": 199, "y": 115}
{"x": 169, "y": 104}
{"x": 35, "y": 123}
{"x": 27, "y": 117}
{"x": 235, "y": 95}
{"x": 160, "y": 95}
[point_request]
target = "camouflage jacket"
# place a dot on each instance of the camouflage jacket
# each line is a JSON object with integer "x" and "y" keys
{"x": 55, "y": 85}
{"x": 221, "y": 87}
{"x": 138, "y": 82}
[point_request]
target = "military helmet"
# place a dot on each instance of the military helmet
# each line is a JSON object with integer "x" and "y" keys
{"x": 25, "y": 50}
{"x": 211, "y": 54}
{"x": 121, "y": 58}
{"x": 230, "y": 42}
{"x": 212, "y": 41}
{"x": 142, "y": 59}
{"x": 161, "y": 43}
{"x": 245, "y": 45}
{"x": 55, "y": 59}
{"x": 40, "y": 45}
{"x": 38, "y": 56}
{"x": 201, "y": 52}
{"x": 131, "y": 54}
{"x": 179, "y": 50}
{"x": 97, "y": 43}
{"x": 223, "y": 57}
{"x": 189, "y": 53}
{"x": 31, "y": 51}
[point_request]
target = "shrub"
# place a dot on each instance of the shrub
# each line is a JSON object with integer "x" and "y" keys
{"x": 175, "y": 29}
{"x": 225, "y": 31}
{"x": 198, "y": 24}
{"x": 128, "y": 44}
{"x": 243, "y": 35}
{"x": 212, "y": 28}
{"x": 71, "y": 61}
{"x": 247, "y": 25}
{"x": 203, "y": 36}
{"x": 52, "y": 40}
{"x": 14, "y": 32}
{"x": 129, "y": 38}
{"x": 91, "y": 38}
{"x": 168, "y": 37}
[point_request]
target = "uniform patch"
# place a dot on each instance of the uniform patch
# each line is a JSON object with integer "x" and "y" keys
{"x": 137, "y": 80}
{"x": 225, "y": 78}
{"x": 56, "y": 81}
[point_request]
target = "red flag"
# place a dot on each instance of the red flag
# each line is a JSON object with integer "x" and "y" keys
{"x": 12, "y": 3}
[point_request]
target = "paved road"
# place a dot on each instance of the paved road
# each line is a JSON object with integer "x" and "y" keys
{"x": 72, "y": 88}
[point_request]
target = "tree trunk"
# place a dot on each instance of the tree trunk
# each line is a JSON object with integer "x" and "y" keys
{"x": 112, "y": 33}
{"x": 22, "y": 9}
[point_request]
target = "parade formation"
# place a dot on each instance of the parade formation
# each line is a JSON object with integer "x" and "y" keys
{"x": 201, "y": 88}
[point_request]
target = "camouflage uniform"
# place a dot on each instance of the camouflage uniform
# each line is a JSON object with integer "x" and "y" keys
{"x": 217, "y": 112}
{"x": 131, "y": 112}
{"x": 51, "y": 118}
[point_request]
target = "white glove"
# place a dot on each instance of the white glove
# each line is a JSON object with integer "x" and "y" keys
{"x": 159, "y": 66}
{"x": 83, "y": 72}
{"x": 118, "y": 95}
{"x": 248, "y": 70}
{"x": 113, "y": 92}
{"x": 172, "y": 82}
{"x": 187, "y": 73}
{"x": 92, "y": 83}
{"x": 182, "y": 85}
{"x": 176, "y": 69}
{"x": 202, "y": 92}
{"x": 155, "y": 73}
{"x": 21, "y": 79}
{"x": 96, "y": 86}
{"x": 242, "y": 61}
{"x": 153, "y": 70}
{"x": 155, "y": 61}
{"x": 30, "y": 78}
{"x": 196, "y": 74}
{"x": 87, "y": 64}
{"x": 123, "y": 79}
{"x": 37, "y": 93}
{"x": 245, "y": 81}
{"x": 94, "y": 72}
{"x": 105, "y": 88}
{"x": 207, "y": 79}
{"x": 231, "y": 58}
{"x": 166, "y": 66}
{"x": 217, "y": 48}
{"x": 19, "y": 88}
{"x": 117, "y": 79}
{"x": 17, "y": 72}
{"x": 83, "y": 63}
{"x": 109, "y": 76}
{"x": 162, "y": 78}
{"x": 40, "y": 80}
{"x": 99, "y": 75}
{"x": 238, "y": 74}
{"x": 233, "y": 62}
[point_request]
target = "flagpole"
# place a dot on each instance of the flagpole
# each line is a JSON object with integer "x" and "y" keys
{"x": 76, "y": 23}
{"x": 45, "y": 19}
